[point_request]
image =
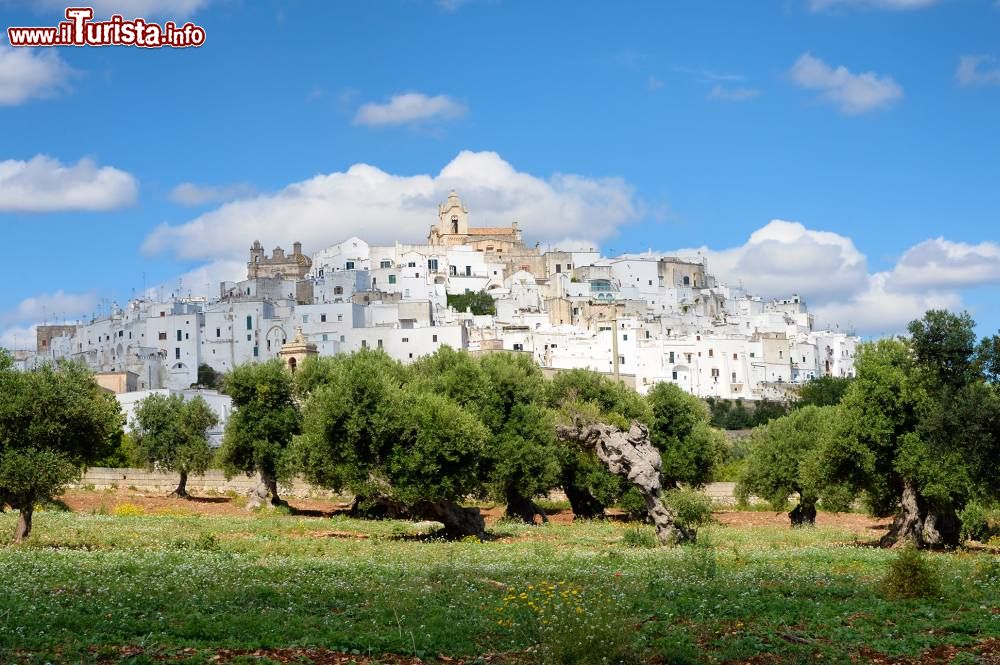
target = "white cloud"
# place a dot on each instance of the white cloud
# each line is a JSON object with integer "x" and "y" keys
{"x": 827, "y": 270}
{"x": 16, "y": 338}
{"x": 897, "y": 5}
{"x": 878, "y": 310}
{"x": 941, "y": 264}
{"x": 189, "y": 194}
{"x": 137, "y": 8}
{"x": 201, "y": 281}
{"x": 382, "y": 208}
{"x": 737, "y": 94}
{"x": 43, "y": 184}
{"x": 851, "y": 93}
{"x": 978, "y": 70}
{"x": 50, "y": 306}
{"x": 785, "y": 257}
{"x": 409, "y": 108}
{"x": 31, "y": 74}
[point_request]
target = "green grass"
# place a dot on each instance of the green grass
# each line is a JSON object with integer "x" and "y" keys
{"x": 86, "y": 585}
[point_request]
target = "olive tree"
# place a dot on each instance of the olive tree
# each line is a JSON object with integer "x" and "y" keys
{"x": 921, "y": 430}
{"x": 54, "y": 421}
{"x": 783, "y": 460}
{"x": 588, "y": 484}
{"x": 681, "y": 430}
{"x": 171, "y": 435}
{"x": 265, "y": 417}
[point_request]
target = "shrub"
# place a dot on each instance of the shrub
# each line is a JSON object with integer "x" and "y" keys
{"x": 910, "y": 575}
{"x": 639, "y": 537}
{"x": 979, "y": 522}
{"x": 691, "y": 508}
{"x": 571, "y": 624}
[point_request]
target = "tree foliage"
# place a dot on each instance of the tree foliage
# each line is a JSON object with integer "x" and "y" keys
{"x": 54, "y": 420}
{"x": 921, "y": 429}
{"x": 824, "y": 391}
{"x": 477, "y": 302}
{"x": 170, "y": 435}
{"x": 265, "y": 417}
{"x": 680, "y": 429}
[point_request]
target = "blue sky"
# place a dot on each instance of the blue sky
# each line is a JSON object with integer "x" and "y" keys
{"x": 870, "y": 127}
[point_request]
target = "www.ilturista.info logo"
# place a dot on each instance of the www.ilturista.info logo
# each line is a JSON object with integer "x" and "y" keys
{"x": 80, "y": 30}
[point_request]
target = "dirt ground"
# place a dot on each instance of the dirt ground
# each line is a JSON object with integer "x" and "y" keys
{"x": 92, "y": 501}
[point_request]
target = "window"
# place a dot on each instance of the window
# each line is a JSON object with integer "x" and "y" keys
{"x": 734, "y": 377}
{"x": 322, "y": 318}
{"x": 434, "y": 338}
{"x": 625, "y": 337}
{"x": 781, "y": 354}
{"x": 163, "y": 313}
{"x": 558, "y": 268}
{"x": 650, "y": 282}
{"x": 647, "y": 334}
{"x": 163, "y": 335}
{"x": 385, "y": 264}
{"x": 338, "y": 290}
{"x": 392, "y": 279}
{"x": 735, "y": 356}
{"x": 248, "y": 337}
{"x": 674, "y": 376}
{"x": 324, "y": 337}
{"x": 687, "y": 281}
{"x": 519, "y": 347}
{"x": 249, "y": 322}
{"x": 411, "y": 264}
{"x": 178, "y": 335}
{"x": 342, "y": 339}
{"x": 752, "y": 354}
{"x": 711, "y": 353}
{"x": 432, "y": 264}
{"x": 256, "y": 352}
{"x": 349, "y": 265}
{"x": 621, "y": 360}
{"x": 364, "y": 344}
{"x": 453, "y": 270}
{"x": 406, "y": 340}
{"x": 340, "y": 317}
{"x": 672, "y": 357}
{"x": 320, "y": 272}
{"x": 218, "y": 333}
{"x": 305, "y": 318}
{"x": 187, "y": 336}
{"x": 380, "y": 344}
{"x": 177, "y": 353}
{"x": 715, "y": 372}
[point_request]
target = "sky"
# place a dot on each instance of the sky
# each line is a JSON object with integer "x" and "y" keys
{"x": 844, "y": 150}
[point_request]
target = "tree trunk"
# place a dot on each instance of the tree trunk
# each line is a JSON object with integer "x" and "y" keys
{"x": 267, "y": 487}
{"x": 23, "y": 528}
{"x": 378, "y": 508}
{"x": 524, "y": 509}
{"x": 181, "y": 490}
{"x": 924, "y": 525}
{"x": 582, "y": 502}
{"x": 803, "y": 514}
{"x": 458, "y": 521}
{"x": 631, "y": 454}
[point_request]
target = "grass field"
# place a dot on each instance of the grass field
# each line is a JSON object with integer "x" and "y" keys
{"x": 181, "y": 586}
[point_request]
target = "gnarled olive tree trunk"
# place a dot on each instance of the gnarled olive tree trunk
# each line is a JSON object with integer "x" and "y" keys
{"x": 924, "y": 525}
{"x": 524, "y": 509}
{"x": 631, "y": 454}
{"x": 804, "y": 514}
{"x": 266, "y": 491}
{"x": 458, "y": 521}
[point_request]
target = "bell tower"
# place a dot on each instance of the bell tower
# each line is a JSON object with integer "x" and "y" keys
{"x": 453, "y": 218}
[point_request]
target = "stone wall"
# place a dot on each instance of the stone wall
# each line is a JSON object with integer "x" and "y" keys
{"x": 101, "y": 478}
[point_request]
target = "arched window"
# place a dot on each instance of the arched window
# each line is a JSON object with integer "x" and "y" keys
{"x": 454, "y": 223}
{"x": 292, "y": 363}
{"x": 687, "y": 281}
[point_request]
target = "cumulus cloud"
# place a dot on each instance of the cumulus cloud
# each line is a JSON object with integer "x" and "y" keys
{"x": 50, "y": 306}
{"x": 43, "y": 184}
{"x": 27, "y": 74}
{"x": 940, "y": 263}
{"x": 201, "y": 281}
{"x": 383, "y": 207}
{"x": 190, "y": 194}
{"x": 732, "y": 94}
{"x": 878, "y": 310}
{"x": 898, "y": 5}
{"x": 17, "y": 325}
{"x": 978, "y": 70}
{"x": 852, "y": 94}
{"x": 832, "y": 275}
{"x": 784, "y": 257}
{"x": 411, "y": 108}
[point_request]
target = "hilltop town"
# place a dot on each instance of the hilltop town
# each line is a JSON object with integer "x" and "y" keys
{"x": 642, "y": 319}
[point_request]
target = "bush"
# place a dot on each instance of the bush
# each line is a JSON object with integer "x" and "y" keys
{"x": 639, "y": 537}
{"x": 911, "y": 575}
{"x": 691, "y": 508}
{"x": 979, "y": 522}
